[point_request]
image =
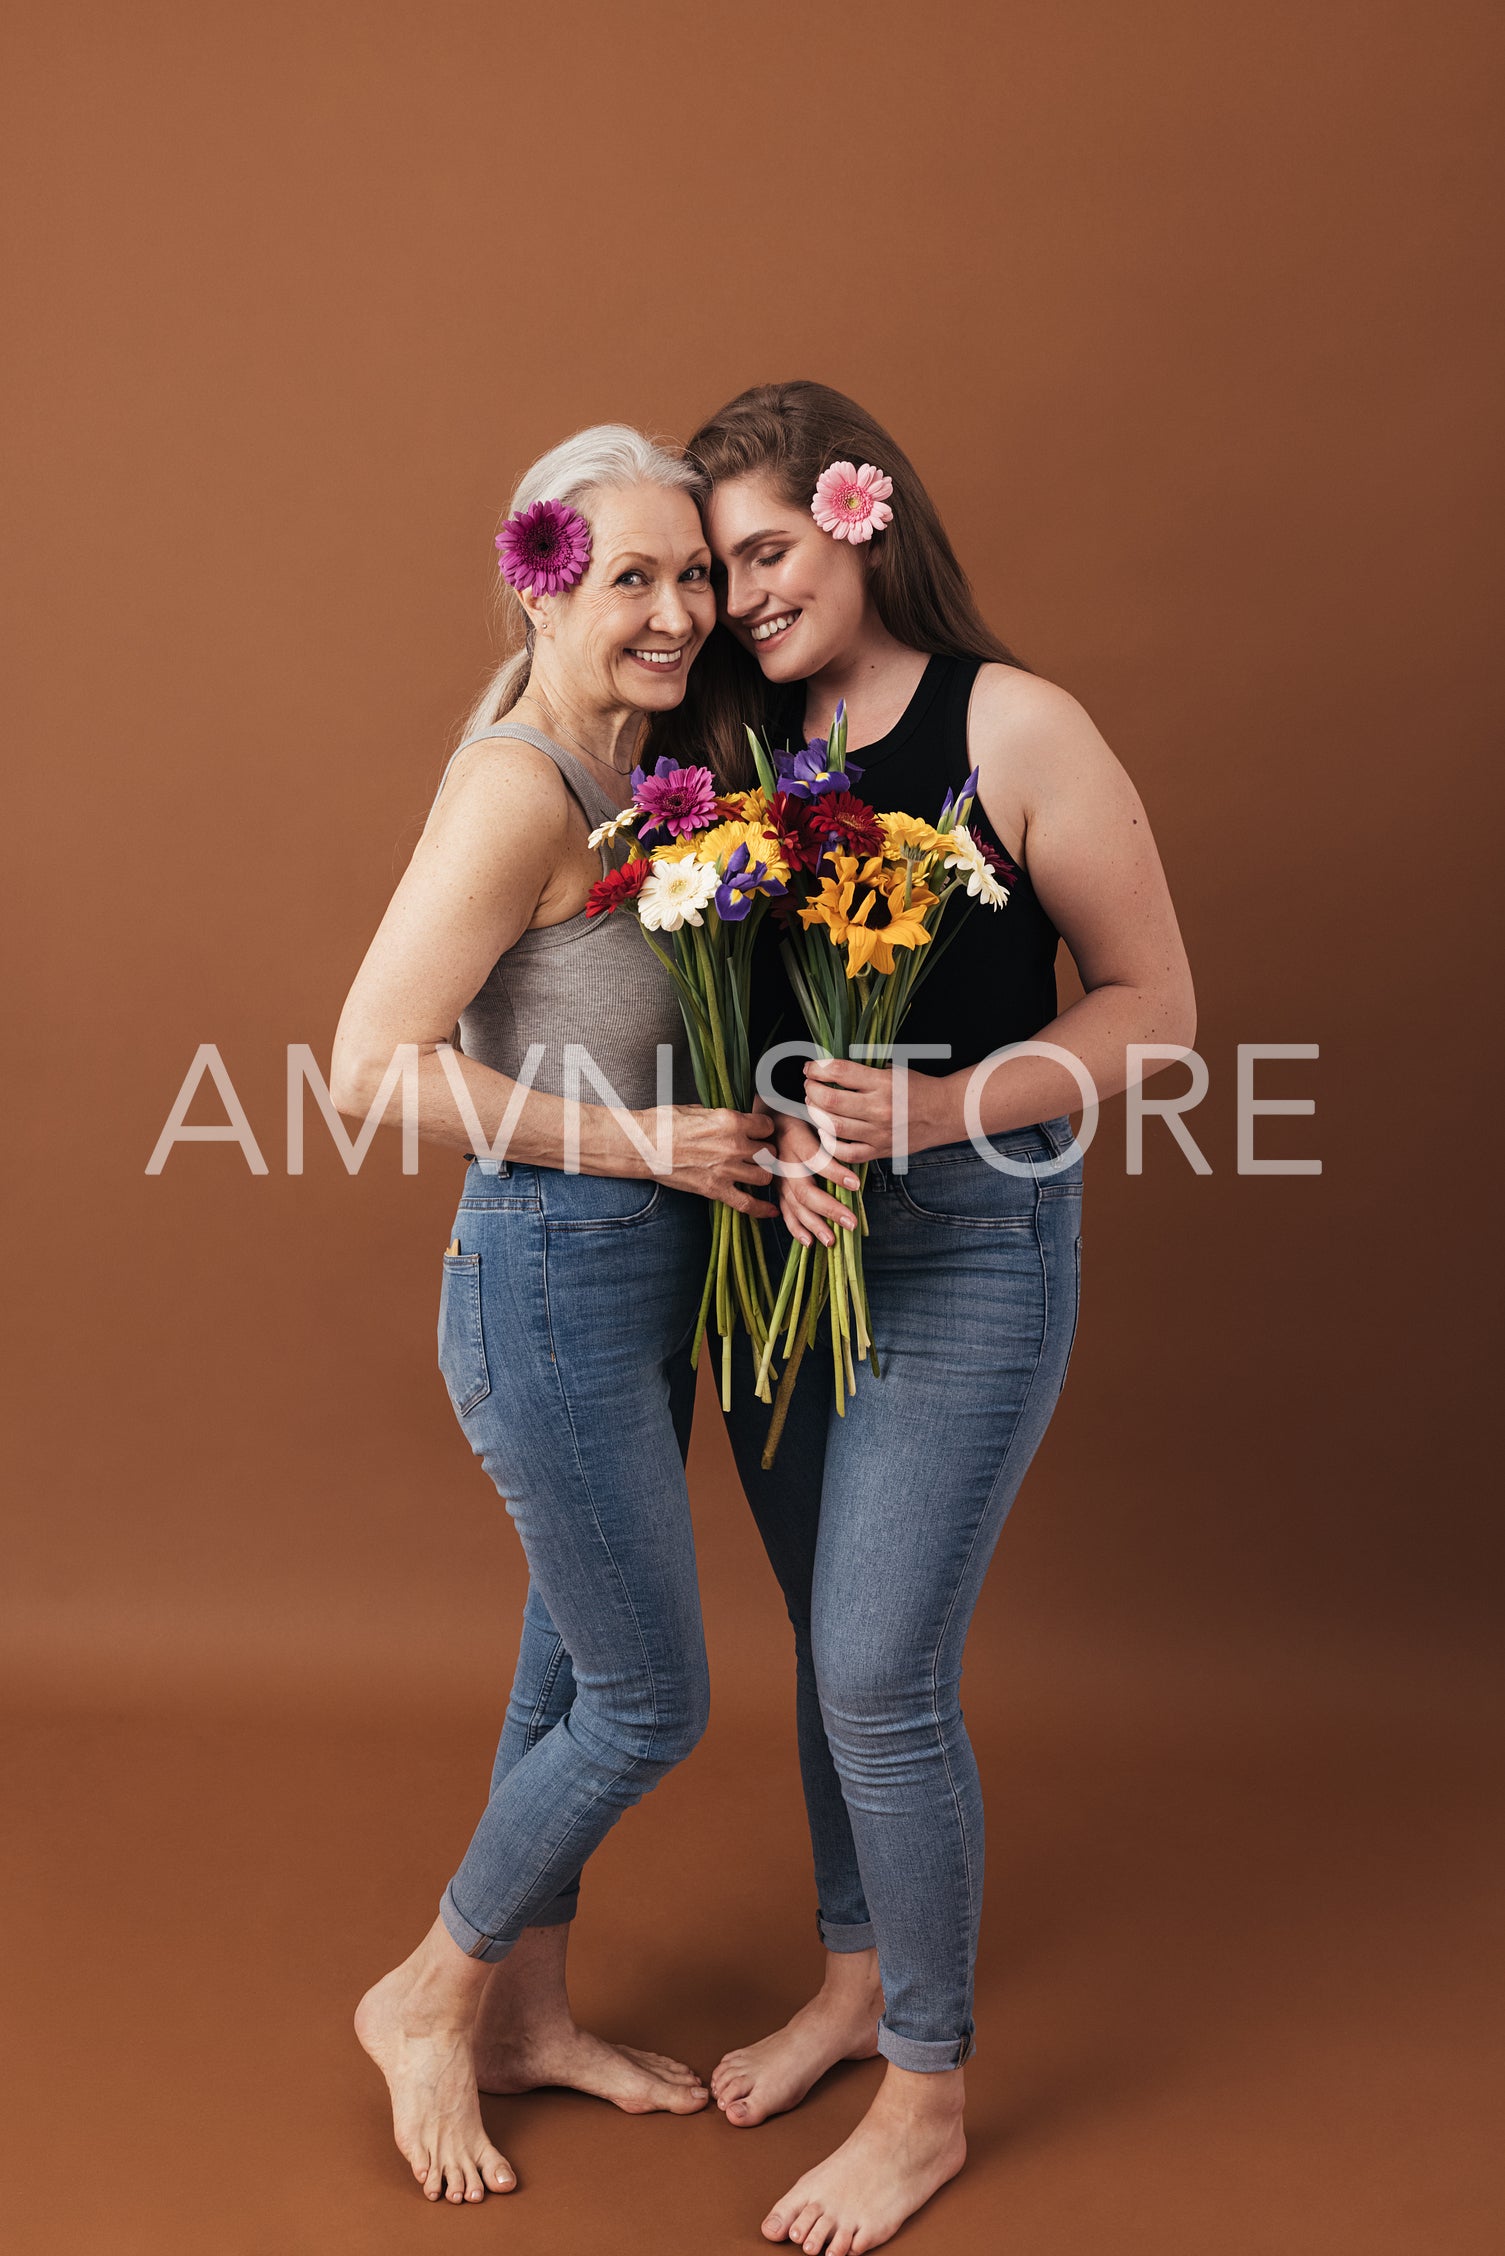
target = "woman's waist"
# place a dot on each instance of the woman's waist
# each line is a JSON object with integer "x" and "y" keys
{"x": 562, "y": 1195}
{"x": 1045, "y": 1150}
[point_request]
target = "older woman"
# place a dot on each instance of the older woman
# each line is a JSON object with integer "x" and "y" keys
{"x": 571, "y": 1282}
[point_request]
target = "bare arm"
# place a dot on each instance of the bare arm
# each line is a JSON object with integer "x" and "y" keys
{"x": 1092, "y": 859}
{"x": 500, "y": 843}
{"x": 1095, "y": 867}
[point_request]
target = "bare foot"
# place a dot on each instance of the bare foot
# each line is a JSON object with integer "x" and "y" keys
{"x": 839, "y": 2023}
{"x": 416, "y": 2025}
{"x": 640, "y": 2083}
{"x": 907, "y": 2145}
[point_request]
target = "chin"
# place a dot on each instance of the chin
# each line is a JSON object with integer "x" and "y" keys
{"x": 784, "y": 662}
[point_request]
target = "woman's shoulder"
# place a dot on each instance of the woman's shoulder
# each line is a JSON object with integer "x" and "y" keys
{"x": 1038, "y": 748}
{"x": 1025, "y": 704}
{"x": 503, "y": 780}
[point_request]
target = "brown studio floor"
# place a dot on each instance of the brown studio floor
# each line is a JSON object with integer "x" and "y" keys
{"x": 1233, "y": 1995}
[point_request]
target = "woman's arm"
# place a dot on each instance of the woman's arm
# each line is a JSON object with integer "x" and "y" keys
{"x": 1046, "y": 775}
{"x": 498, "y": 843}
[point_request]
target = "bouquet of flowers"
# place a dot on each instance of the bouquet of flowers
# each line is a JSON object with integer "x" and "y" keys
{"x": 863, "y": 898}
{"x": 701, "y": 872}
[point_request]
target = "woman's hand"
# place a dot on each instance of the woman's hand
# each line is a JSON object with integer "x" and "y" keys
{"x": 715, "y": 1153}
{"x": 853, "y": 1107}
{"x": 810, "y": 1212}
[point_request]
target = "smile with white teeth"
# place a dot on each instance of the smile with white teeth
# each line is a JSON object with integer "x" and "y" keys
{"x": 766, "y": 629}
{"x": 657, "y": 657}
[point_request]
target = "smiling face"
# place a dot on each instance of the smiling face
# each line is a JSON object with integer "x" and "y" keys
{"x": 628, "y": 633}
{"x": 794, "y": 597}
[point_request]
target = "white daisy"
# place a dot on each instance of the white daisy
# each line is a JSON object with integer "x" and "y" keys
{"x": 982, "y": 885}
{"x": 605, "y": 832}
{"x": 676, "y": 893}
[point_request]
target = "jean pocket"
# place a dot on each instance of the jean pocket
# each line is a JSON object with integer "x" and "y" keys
{"x": 601, "y": 1202}
{"x": 954, "y": 1183}
{"x": 462, "y": 1338}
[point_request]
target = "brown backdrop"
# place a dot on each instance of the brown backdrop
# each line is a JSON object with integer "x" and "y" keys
{"x": 1182, "y": 312}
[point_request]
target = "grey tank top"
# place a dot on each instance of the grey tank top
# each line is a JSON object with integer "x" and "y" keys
{"x": 591, "y": 981}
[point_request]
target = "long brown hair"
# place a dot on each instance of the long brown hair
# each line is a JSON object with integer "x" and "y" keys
{"x": 791, "y": 433}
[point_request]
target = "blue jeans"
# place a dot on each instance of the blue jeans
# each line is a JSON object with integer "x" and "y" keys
{"x": 880, "y": 1526}
{"x": 564, "y": 1328}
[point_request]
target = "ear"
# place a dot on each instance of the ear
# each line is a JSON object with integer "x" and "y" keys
{"x": 538, "y": 609}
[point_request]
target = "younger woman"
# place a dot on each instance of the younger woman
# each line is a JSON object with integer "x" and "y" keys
{"x": 837, "y": 581}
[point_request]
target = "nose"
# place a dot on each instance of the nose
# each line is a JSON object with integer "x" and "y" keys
{"x": 671, "y": 614}
{"x": 742, "y": 595}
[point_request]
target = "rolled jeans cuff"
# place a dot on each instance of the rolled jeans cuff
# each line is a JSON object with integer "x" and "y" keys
{"x": 923, "y": 2056}
{"x": 472, "y": 1940}
{"x": 846, "y": 1938}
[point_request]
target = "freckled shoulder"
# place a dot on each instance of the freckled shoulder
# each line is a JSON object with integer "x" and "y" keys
{"x": 502, "y": 779}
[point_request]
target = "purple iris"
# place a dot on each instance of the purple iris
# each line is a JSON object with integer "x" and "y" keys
{"x": 967, "y": 791}
{"x": 744, "y": 878}
{"x": 803, "y": 774}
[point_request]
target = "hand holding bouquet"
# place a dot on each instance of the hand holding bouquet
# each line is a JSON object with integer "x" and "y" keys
{"x": 700, "y": 874}
{"x": 867, "y": 893}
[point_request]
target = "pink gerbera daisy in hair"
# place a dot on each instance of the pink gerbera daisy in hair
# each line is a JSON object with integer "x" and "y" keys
{"x": 852, "y": 504}
{"x": 545, "y": 548}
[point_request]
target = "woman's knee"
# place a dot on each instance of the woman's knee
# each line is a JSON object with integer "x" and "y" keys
{"x": 881, "y": 1700}
{"x": 683, "y": 1712}
{"x": 650, "y": 1723}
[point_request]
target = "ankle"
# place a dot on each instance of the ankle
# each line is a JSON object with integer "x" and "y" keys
{"x": 851, "y": 1981}
{"x": 925, "y": 2096}
{"x": 536, "y": 2022}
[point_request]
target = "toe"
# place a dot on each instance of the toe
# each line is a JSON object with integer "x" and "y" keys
{"x": 802, "y": 2222}
{"x": 819, "y": 2233}
{"x": 842, "y": 2244}
{"x": 741, "y": 2112}
{"x": 497, "y": 2173}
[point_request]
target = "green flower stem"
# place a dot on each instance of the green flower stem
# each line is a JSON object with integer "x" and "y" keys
{"x": 705, "y": 1298}
{"x": 786, "y": 1289}
{"x": 722, "y": 1243}
{"x": 799, "y": 1294}
{"x": 781, "y": 1404}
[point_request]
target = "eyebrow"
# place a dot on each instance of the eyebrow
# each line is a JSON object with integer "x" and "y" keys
{"x": 640, "y": 556}
{"x": 753, "y": 540}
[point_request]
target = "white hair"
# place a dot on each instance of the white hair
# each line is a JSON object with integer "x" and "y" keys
{"x": 605, "y": 456}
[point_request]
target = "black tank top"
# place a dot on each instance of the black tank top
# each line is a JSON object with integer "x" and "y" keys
{"x": 997, "y": 983}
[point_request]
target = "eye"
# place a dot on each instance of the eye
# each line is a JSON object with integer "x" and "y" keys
{"x": 632, "y": 577}
{"x": 698, "y": 573}
{"x": 774, "y": 556}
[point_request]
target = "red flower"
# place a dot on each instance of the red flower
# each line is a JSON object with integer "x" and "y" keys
{"x": 851, "y": 818}
{"x": 806, "y": 828}
{"x": 619, "y": 885}
{"x": 998, "y": 863}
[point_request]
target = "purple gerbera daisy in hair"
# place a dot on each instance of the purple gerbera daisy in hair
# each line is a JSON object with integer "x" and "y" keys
{"x": 675, "y": 799}
{"x": 545, "y": 548}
